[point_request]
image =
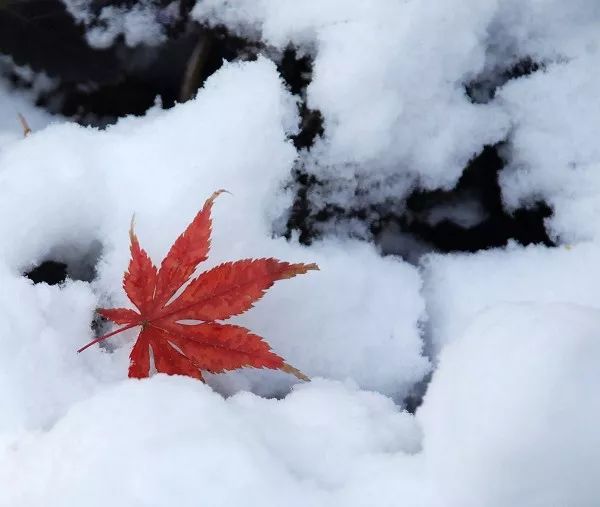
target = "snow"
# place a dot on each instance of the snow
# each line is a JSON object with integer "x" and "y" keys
{"x": 40, "y": 376}
{"x": 391, "y": 118}
{"x": 13, "y": 103}
{"x": 553, "y": 151}
{"x": 459, "y": 287}
{"x": 511, "y": 415}
{"x": 196, "y": 446}
{"x": 504, "y": 342}
{"x": 373, "y": 106}
{"x": 467, "y": 213}
{"x": 510, "y": 419}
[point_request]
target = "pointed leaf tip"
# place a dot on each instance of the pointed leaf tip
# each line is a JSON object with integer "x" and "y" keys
{"x": 132, "y": 228}
{"x": 218, "y": 193}
{"x": 300, "y": 269}
{"x": 119, "y": 315}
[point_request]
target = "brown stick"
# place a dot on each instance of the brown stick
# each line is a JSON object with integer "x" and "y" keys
{"x": 295, "y": 372}
{"x": 24, "y": 125}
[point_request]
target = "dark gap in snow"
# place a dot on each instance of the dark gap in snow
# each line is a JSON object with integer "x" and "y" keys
{"x": 415, "y": 397}
{"x": 471, "y": 216}
{"x": 67, "y": 263}
{"x": 468, "y": 218}
{"x": 100, "y": 106}
{"x": 211, "y": 47}
{"x": 310, "y": 222}
{"x": 172, "y": 71}
{"x": 44, "y": 36}
{"x": 50, "y": 272}
{"x": 97, "y": 86}
{"x": 311, "y": 127}
{"x": 299, "y": 219}
{"x": 483, "y": 88}
{"x": 296, "y": 71}
{"x": 101, "y": 326}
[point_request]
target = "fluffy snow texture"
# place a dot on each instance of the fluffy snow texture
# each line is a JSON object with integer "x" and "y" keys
{"x": 389, "y": 78}
{"x": 459, "y": 287}
{"x": 554, "y": 152}
{"x": 520, "y": 378}
{"x": 389, "y": 117}
{"x": 383, "y": 108}
{"x": 511, "y": 415}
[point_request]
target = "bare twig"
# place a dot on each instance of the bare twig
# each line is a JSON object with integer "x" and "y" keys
{"x": 24, "y": 125}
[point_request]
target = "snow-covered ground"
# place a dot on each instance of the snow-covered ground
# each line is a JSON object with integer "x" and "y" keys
{"x": 509, "y": 338}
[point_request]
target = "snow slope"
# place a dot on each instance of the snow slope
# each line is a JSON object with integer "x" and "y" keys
{"x": 510, "y": 419}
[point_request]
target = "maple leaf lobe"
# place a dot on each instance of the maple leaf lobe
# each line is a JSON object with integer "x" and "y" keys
{"x": 189, "y": 249}
{"x": 139, "y": 358}
{"x": 119, "y": 315}
{"x": 139, "y": 281}
{"x": 231, "y": 288}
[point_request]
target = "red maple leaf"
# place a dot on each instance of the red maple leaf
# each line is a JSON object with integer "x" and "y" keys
{"x": 226, "y": 290}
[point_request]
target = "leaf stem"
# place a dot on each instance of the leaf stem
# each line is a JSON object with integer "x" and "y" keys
{"x": 104, "y": 337}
